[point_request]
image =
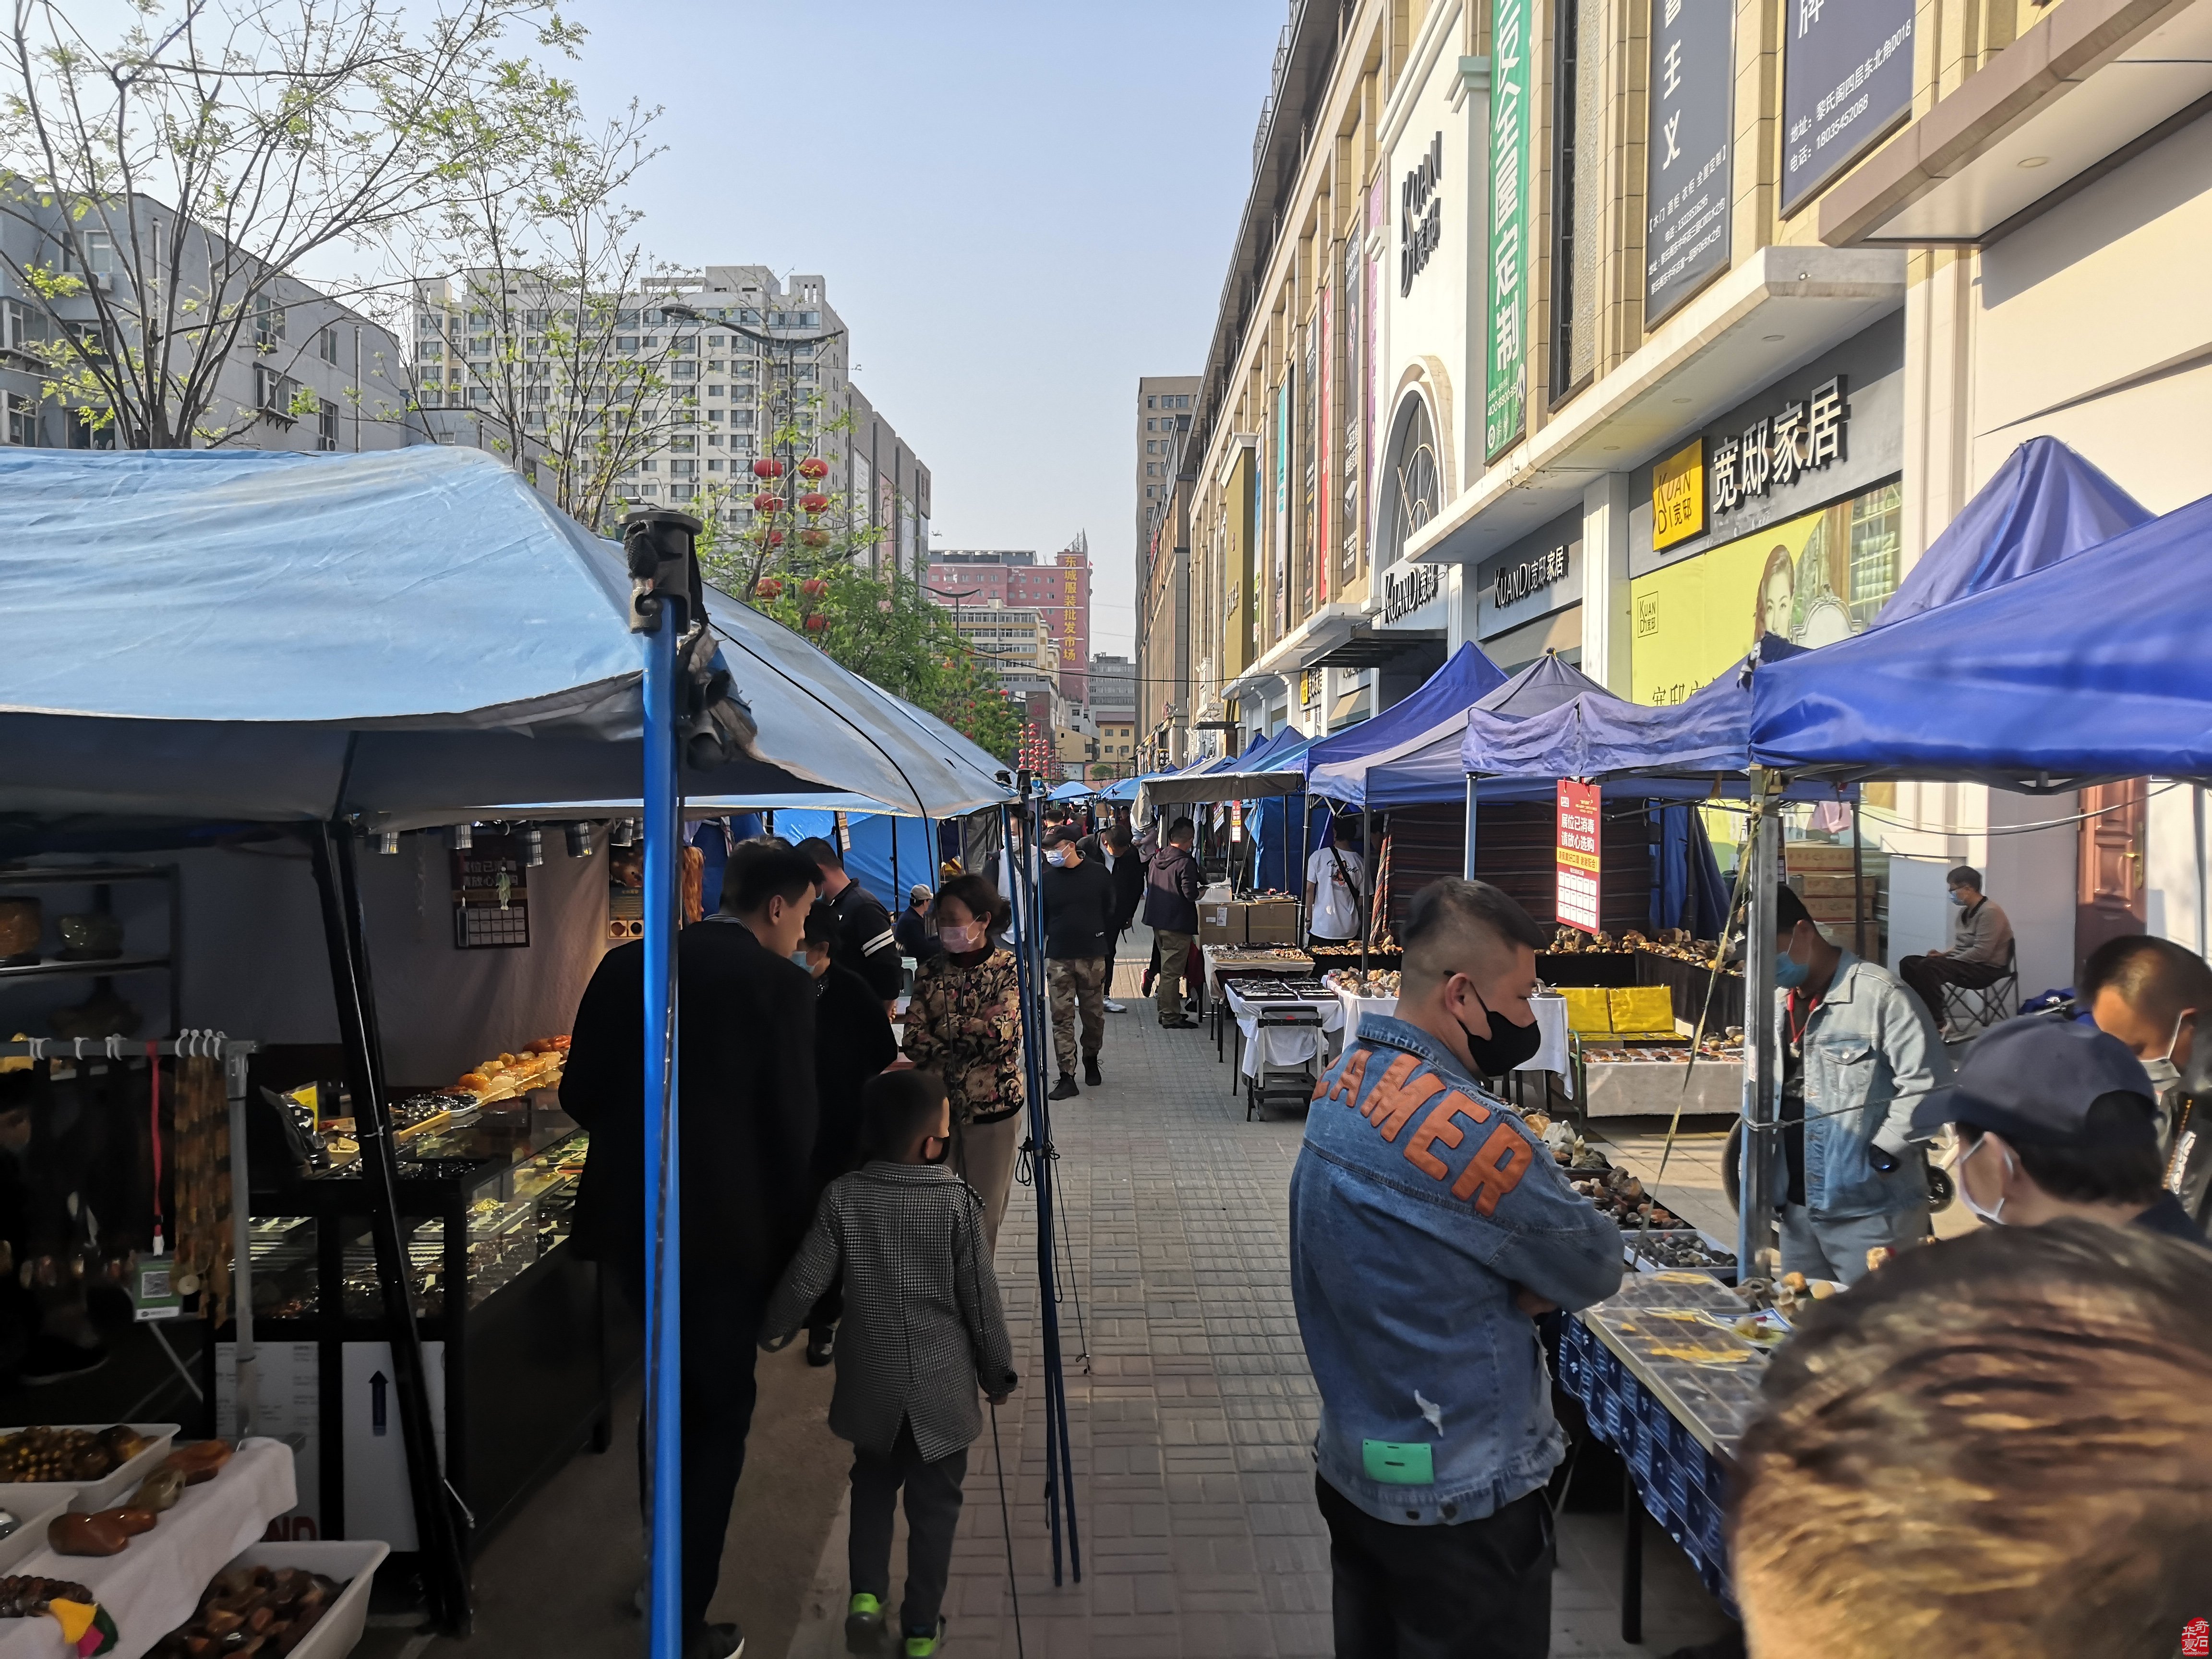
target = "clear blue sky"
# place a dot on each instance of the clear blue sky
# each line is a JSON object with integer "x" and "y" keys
{"x": 1019, "y": 209}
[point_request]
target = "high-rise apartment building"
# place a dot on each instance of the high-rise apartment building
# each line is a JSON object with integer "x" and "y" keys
{"x": 740, "y": 354}
{"x": 1163, "y": 409}
{"x": 1058, "y": 589}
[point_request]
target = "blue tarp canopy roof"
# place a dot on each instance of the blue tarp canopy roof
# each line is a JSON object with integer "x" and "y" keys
{"x": 2045, "y": 504}
{"x": 1425, "y": 769}
{"x": 1125, "y": 790}
{"x": 2093, "y": 667}
{"x": 415, "y": 636}
{"x": 1469, "y": 675}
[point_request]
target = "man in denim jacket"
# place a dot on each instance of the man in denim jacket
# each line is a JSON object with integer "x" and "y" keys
{"x": 1429, "y": 1227}
{"x": 1858, "y": 1052}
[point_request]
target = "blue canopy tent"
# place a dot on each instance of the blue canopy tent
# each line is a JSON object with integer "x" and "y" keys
{"x": 387, "y": 641}
{"x": 2045, "y": 504}
{"x": 1464, "y": 678}
{"x": 2060, "y": 678}
{"x": 1424, "y": 768}
{"x": 1072, "y": 790}
{"x": 1123, "y": 793}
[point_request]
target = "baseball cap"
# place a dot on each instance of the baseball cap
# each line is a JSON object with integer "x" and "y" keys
{"x": 917, "y": 892}
{"x": 2034, "y": 1080}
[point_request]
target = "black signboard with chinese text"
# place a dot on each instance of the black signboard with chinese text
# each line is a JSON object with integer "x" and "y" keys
{"x": 1846, "y": 77}
{"x": 1686, "y": 155}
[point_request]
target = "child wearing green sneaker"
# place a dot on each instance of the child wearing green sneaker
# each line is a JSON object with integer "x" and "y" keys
{"x": 923, "y": 1328}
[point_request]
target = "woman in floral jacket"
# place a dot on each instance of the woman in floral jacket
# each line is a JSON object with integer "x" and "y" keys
{"x": 964, "y": 1023}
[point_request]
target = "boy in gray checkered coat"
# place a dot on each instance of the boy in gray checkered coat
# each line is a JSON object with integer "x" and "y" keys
{"x": 923, "y": 1331}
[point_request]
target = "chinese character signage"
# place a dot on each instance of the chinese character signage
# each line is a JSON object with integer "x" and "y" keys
{"x": 1577, "y": 853}
{"x": 1280, "y": 556}
{"x": 1677, "y": 495}
{"x": 1506, "y": 280}
{"x": 1804, "y": 436}
{"x": 1685, "y": 158}
{"x": 1846, "y": 77}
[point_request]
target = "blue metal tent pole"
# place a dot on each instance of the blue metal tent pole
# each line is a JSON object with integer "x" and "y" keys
{"x": 664, "y": 1317}
{"x": 1033, "y": 851}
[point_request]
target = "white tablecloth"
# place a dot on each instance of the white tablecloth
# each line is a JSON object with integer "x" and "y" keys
{"x": 1551, "y": 1020}
{"x": 154, "y": 1585}
{"x": 1283, "y": 1045}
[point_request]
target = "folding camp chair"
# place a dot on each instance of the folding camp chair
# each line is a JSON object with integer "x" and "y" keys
{"x": 1985, "y": 1005}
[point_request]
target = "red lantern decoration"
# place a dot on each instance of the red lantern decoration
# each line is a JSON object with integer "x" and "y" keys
{"x": 768, "y": 502}
{"x": 776, "y": 539}
{"x": 817, "y": 623}
{"x": 815, "y": 502}
{"x": 813, "y": 467}
{"x": 767, "y": 587}
{"x": 815, "y": 537}
{"x": 767, "y": 467}
{"x": 814, "y": 587}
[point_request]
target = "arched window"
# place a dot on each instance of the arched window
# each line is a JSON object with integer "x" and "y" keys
{"x": 1412, "y": 482}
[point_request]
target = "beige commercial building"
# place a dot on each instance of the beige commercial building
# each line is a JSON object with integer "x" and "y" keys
{"x": 1631, "y": 329}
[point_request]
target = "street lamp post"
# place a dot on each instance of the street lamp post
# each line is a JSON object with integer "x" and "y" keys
{"x": 789, "y": 343}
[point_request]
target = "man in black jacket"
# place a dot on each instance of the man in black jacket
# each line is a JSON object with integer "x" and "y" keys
{"x": 744, "y": 1160}
{"x": 865, "y": 941}
{"x": 1172, "y": 912}
{"x": 1112, "y": 847}
{"x": 853, "y": 1042}
{"x": 1078, "y": 943}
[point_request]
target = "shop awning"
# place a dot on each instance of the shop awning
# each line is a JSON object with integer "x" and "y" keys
{"x": 2045, "y": 504}
{"x": 416, "y": 635}
{"x": 2090, "y": 669}
{"x": 2090, "y": 86}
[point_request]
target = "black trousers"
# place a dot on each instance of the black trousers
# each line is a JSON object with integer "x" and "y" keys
{"x": 721, "y": 1331}
{"x": 934, "y": 1494}
{"x": 1478, "y": 1589}
{"x": 1928, "y": 975}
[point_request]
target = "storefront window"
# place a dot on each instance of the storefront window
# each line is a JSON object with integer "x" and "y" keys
{"x": 1874, "y": 526}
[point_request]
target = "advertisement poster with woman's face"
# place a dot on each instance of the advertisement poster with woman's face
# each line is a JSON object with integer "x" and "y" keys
{"x": 1812, "y": 581}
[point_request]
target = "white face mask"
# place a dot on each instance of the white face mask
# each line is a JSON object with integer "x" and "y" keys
{"x": 799, "y": 956}
{"x": 1057, "y": 855}
{"x": 2164, "y": 1073}
{"x": 1988, "y": 1217}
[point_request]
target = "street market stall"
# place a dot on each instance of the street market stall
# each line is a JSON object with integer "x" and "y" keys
{"x": 313, "y": 663}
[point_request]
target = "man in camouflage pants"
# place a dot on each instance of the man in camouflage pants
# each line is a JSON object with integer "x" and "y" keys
{"x": 1078, "y": 933}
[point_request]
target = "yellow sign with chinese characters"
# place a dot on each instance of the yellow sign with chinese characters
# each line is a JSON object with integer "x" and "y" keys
{"x": 1677, "y": 495}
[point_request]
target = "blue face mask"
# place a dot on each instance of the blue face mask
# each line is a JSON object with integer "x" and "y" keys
{"x": 1958, "y": 898}
{"x": 1789, "y": 972}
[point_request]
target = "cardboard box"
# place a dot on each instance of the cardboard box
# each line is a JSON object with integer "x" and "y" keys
{"x": 1823, "y": 884}
{"x": 1801, "y": 855}
{"x": 1272, "y": 922}
{"x": 1837, "y": 908}
{"x": 1220, "y": 922}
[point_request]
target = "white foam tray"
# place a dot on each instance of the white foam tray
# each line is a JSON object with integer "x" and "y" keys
{"x": 34, "y": 1503}
{"x": 109, "y": 1489}
{"x": 352, "y": 1561}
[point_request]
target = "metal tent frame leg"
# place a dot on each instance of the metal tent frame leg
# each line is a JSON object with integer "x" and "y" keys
{"x": 1029, "y": 960}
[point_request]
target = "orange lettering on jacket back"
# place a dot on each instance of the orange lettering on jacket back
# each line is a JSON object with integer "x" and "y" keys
{"x": 1437, "y": 1126}
{"x": 1393, "y": 1101}
{"x": 1346, "y": 1086}
{"x": 1495, "y": 1170}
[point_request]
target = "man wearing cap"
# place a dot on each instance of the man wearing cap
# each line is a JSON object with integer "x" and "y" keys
{"x": 2055, "y": 1120}
{"x": 1858, "y": 1053}
{"x": 912, "y": 928}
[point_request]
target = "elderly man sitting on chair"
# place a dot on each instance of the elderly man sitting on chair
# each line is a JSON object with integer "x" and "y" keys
{"x": 1979, "y": 954}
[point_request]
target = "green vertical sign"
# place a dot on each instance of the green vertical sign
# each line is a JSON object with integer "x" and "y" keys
{"x": 1505, "y": 405}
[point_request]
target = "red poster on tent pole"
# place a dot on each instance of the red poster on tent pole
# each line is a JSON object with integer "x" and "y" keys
{"x": 1577, "y": 854}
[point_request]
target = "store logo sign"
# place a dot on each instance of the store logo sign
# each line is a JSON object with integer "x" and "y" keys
{"x": 1515, "y": 582}
{"x": 1421, "y": 214}
{"x": 1677, "y": 495}
{"x": 1806, "y": 435}
{"x": 1408, "y": 588}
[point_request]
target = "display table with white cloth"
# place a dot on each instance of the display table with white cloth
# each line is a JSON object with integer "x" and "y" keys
{"x": 154, "y": 1585}
{"x": 1551, "y": 1020}
{"x": 1280, "y": 1046}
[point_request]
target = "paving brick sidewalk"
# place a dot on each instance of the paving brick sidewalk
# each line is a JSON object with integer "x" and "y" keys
{"x": 1192, "y": 1421}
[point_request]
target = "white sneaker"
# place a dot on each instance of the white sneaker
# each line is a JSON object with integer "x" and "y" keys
{"x": 1114, "y": 1008}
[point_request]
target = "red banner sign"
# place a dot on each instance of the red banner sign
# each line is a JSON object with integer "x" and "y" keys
{"x": 1577, "y": 854}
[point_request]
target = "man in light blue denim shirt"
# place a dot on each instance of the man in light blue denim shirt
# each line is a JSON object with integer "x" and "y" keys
{"x": 1429, "y": 1227}
{"x": 1858, "y": 1052}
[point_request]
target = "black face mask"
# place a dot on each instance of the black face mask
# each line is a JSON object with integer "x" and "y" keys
{"x": 1506, "y": 1046}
